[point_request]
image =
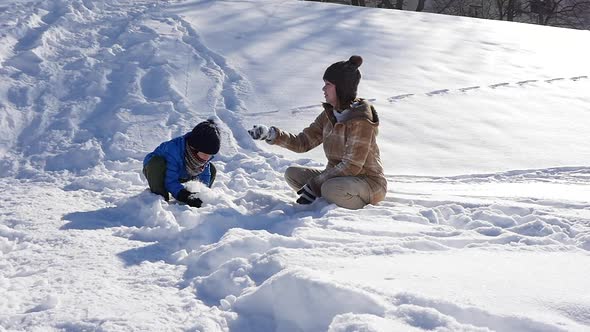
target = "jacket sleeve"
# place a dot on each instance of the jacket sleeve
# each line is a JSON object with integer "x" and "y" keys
{"x": 308, "y": 139}
{"x": 171, "y": 180}
{"x": 358, "y": 144}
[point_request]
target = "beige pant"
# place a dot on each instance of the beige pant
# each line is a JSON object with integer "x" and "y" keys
{"x": 350, "y": 192}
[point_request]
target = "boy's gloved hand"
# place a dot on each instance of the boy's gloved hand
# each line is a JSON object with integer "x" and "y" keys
{"x": 189, "y": 198}
{"x": 306, "y": 195}
{"x": 194, "y": 201}
{"x": 259, "y": 132}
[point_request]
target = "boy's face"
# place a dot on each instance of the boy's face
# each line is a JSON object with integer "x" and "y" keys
{"x": 202, "y": 156}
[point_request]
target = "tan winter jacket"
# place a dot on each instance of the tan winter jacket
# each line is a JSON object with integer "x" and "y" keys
{"x": 350, "y": 146}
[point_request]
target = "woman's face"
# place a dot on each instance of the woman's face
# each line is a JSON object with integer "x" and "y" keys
{"x": 330, "y": 93}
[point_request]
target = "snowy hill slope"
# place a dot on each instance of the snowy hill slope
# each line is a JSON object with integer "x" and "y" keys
{"x": 486, "y": 225}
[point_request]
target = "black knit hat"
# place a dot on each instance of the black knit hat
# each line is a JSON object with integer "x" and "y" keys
{"x": 346, "y": 76}
{"x": 205, "y": 137}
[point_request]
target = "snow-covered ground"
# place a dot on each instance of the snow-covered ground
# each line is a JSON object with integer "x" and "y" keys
{"x": 484, "y": 137}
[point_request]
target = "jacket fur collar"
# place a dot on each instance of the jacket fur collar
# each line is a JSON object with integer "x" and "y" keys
{"x": 359, "y": 109}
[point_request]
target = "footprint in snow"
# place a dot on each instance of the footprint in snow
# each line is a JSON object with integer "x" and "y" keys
{"x": 554, "y": 79}
{"x": 304, "y": 109}
{"x": 437, "y": 92}
{"x": 48, "y": 303}
{"x": 399, "y": 97}
{"x": 469, "y": 88}
{"x": 493, "y": 86}
{"x": 526, "y": 82}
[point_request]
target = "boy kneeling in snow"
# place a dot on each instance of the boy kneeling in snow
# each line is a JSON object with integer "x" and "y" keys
{"x": 182, "y": 159}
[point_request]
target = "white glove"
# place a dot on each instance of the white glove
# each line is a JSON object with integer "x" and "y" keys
{"x": 263, "y": 133}
{"x": 259, "y": 132}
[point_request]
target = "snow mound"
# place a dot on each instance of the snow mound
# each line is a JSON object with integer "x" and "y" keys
{"x": 296, "y": 300}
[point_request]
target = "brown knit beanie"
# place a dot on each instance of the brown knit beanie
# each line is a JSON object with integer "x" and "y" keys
{"x": 346, "y": 76}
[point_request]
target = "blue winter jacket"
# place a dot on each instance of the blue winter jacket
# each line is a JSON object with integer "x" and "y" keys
{"x": 173, "y": 152}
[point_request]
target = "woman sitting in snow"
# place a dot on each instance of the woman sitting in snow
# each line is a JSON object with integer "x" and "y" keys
{"x": 348, "y": 130}
{"x": 183, "y": 159}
